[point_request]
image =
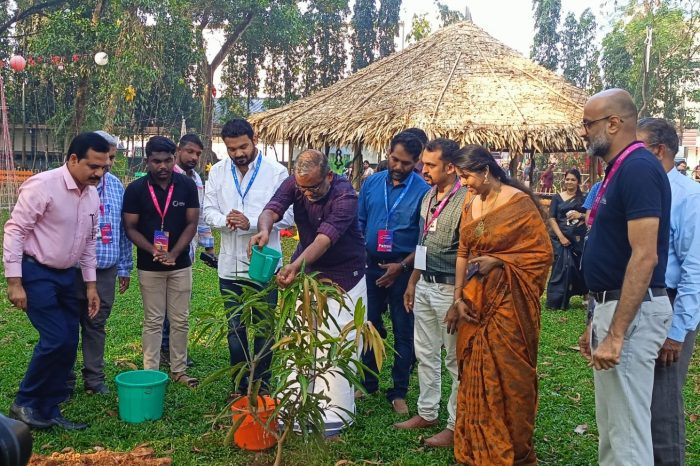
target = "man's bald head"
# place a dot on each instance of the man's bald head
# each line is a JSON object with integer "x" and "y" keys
{"x": 614, "y": 102}
{"x": 609, "y": 122}
{"x": 309, "y": 161}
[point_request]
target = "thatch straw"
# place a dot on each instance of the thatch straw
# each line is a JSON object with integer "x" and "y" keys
{"x": 459, "y": 83}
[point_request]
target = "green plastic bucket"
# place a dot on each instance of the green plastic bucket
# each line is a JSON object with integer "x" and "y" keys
{"x": 263, "y": 263}
{"x": 141, "y": 395}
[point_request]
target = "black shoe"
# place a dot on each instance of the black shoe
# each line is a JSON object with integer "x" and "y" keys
{"x": 99, "y": 389}
{"x": 189, "y": 362}
{"x": 165, "y": 358}
{"x": 29, "y": 416}
{"x": 63, "y": 423}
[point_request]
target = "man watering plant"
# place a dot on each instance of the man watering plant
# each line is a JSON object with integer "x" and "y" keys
{"x": 325, "y": 211}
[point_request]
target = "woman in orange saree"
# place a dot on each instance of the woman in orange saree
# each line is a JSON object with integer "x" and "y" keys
{"x": 502, "y": 267}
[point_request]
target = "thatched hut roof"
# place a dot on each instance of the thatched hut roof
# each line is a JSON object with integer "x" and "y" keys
{"x": 459, "y": 83}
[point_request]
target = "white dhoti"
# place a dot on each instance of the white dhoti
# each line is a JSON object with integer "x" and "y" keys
{"x": 340, "y": 392}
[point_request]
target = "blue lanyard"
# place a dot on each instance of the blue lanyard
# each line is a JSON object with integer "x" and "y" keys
{"x": 252, "y": 179}
{"x": 389, "y": 212}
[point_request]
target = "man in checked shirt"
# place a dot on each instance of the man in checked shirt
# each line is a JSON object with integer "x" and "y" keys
{"x": 114, "y": 259}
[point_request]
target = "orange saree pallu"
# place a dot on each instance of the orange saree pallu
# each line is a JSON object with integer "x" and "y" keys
{"x": 497, "y": 400}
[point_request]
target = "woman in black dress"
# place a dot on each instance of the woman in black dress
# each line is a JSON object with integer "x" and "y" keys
{"x": 568, "y": 229}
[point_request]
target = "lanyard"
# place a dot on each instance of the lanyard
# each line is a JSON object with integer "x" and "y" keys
{"x": 252, "y": 179}
{"x": 439, "y": 209}
{"x": 164, "y": 212}
{"x": 389, "y": 212}
{"x": 102, "y": 194}
{"x": 608, "y": 179}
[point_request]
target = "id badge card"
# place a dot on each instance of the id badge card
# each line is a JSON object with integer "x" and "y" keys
{"x": 106, "y": 233}
{"x": 433, "y": 226}
{"x": 420, "y": 261}
{"x": 385, "y": 239}
{"x": 160, "y": 240}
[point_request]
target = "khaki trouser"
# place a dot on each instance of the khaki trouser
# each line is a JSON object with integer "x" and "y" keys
{"x": 163, "y": 291}
{"x": 431, "y": 303}
{"x": 623, "y": 394}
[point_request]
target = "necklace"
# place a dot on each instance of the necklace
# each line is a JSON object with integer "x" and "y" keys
{"x": 481, "y": 226}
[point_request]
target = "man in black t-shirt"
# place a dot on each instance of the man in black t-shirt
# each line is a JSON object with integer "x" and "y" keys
{"x": 624, "y": 265}
{"x": 161, "y": 211}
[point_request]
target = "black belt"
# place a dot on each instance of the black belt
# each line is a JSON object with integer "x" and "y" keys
{"x": 439, "y": 278}
{"x": 34, "y": 261}
{"x": 614, "y": 295}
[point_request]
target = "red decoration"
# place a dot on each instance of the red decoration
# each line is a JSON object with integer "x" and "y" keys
{"x": 76, "y": 57}
{"x": 30, "y": 61}
{"x": 213, "y": 91}
{"x": 17, "y": 63}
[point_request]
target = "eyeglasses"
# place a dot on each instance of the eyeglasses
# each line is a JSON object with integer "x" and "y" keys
{"x": 311, "y": 189}
{"x": 587, "y": 124}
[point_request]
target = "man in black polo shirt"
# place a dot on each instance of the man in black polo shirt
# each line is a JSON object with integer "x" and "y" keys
{"x": 161, "y": 211}
{"x": 624, "y": 265}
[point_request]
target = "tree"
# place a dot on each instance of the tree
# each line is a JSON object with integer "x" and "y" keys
{"x": 420, "y": 28}
{"x": 388, "y": 26}
{"x": 21, "y": 14}
{"x": 448, "y": 16}
{"x": 587, "y": 27}
{"x": 571, "y": 51}
{"x": 364, "y": 37}
{"x": 652, "y": 51}
{"x": 544, "y": 47}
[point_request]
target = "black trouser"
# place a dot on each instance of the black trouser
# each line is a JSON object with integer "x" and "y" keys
{"x": 238, "y": 336}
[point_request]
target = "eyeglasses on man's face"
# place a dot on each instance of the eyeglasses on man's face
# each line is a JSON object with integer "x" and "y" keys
{"x": 588, "y": 124}
{"x": 311, "y": 189}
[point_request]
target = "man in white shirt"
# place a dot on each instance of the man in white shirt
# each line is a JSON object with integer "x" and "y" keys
{"x": 236, "y": 192}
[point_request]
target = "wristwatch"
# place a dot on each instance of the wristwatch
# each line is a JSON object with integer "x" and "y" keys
{"x": 404, "y": 266}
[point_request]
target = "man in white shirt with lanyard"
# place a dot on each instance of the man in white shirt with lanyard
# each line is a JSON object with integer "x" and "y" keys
{"x": 237, "y": 190}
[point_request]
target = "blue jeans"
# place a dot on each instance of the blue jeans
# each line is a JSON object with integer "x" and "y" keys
{"x": 53, "y": 310}
{"x": 238, "y": 335}
{"x": 402, "y": 324}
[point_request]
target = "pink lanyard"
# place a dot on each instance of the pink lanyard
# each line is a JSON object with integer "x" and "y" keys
{"x": 609, "y": 177}
{"x": 439, "y": 209}
{"x": 167, "y": 203}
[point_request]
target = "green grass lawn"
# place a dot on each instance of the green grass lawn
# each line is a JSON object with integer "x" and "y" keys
{"x": 189, "y": 433}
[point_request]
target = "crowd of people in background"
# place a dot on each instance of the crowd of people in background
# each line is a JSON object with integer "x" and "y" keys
{"x": 442, "y": 242}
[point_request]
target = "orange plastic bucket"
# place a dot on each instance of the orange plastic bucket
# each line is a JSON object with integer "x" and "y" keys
{"x": 252, "y": 435}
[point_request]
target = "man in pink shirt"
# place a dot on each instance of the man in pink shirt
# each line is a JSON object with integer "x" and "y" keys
{"x": 51, "y": 229}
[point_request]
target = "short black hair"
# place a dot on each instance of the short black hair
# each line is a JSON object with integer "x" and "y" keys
{"x": 447, "y": 147}
{"x": 160, "y": 144}
{"x": 419, "y": 133}
{"x": 659, "y": 131}
{"x": 410, "y": 143}
{"x": 680, "y": 162}
{"x": 86, "y": 141}
{"x": 191, "y": 138}
{"x": 237, "y": 127}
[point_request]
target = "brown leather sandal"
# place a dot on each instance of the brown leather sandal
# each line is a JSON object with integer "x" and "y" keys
{"x": 184, "y": 379}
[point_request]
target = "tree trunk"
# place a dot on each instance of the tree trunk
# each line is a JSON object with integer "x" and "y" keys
{"x": 208, "y": 70}
{"x": 290, "y": 162}
{"x": 81, "y": 94}
{"x": 356, "y": 178}
{"x": 207, "y": 115}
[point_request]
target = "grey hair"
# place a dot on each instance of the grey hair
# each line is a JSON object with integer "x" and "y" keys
{"x": 111, "y": 140}
{"x": 659, "y": 131}
{"x": 309, "y": 160}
